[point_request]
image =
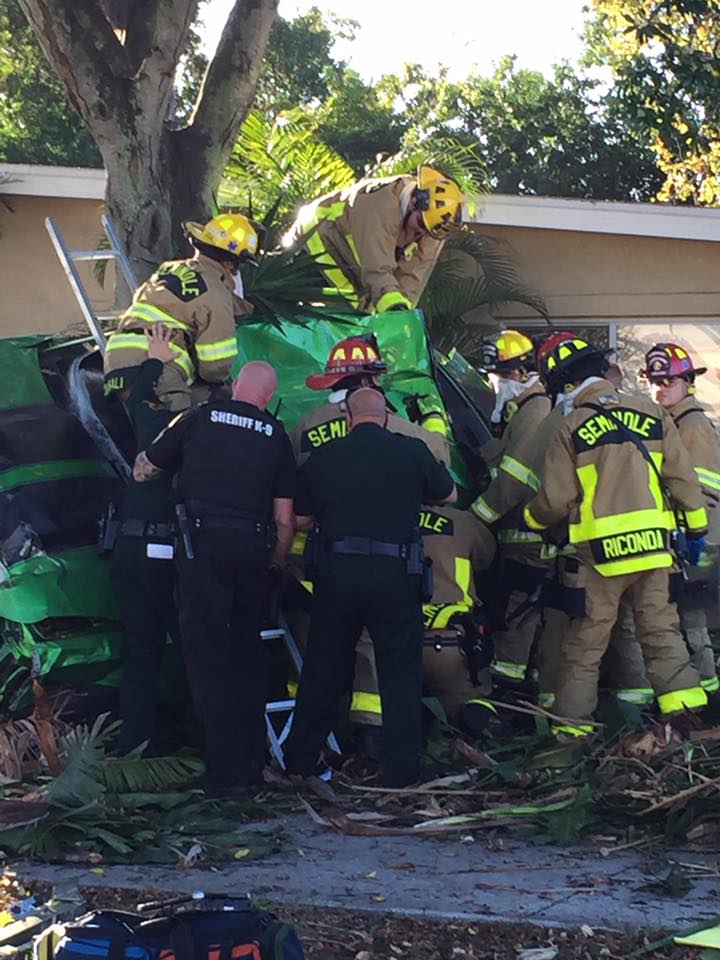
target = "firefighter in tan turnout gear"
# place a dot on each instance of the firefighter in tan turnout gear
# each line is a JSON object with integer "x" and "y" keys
{"x": 670, "y": 373}
{"x": 196, "y": 300}
{"x": 608, "y": 469}
{"x": 459, "y": 546}
{"x": 520, "y": 409}
{"x": 377, "y": 240}
{"x": 353, "y": 363}
{"x": 623, "y": 664}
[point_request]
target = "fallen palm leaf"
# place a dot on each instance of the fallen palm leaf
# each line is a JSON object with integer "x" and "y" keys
{"x": 20, "y": 813}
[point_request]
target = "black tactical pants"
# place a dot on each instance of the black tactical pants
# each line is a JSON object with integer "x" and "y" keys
{"x": 144, "y": 589}
{"x": 223, "y": 599}
{"x": 351, "y": 593}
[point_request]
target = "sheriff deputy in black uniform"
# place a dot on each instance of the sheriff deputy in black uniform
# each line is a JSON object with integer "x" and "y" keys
{"x": 235, "y": 480}
{"x": 142, "y": 565}
{"x": 365, "y": 492}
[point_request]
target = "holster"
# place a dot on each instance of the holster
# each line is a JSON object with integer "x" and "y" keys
{"x": 420, "y": 565}
{"x": 108, "y": 531}
{"x": 183, "y": 526}
{"x": 476, "y": 643}
{"x": 312, "y": 552}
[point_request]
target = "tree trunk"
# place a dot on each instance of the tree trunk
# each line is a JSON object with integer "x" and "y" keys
{"x": 120, "y": 76}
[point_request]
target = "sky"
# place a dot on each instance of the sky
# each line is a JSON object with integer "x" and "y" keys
{"x": 466, "y": 35}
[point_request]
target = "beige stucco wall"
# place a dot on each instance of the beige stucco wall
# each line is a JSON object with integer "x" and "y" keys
{"x": 35, "y": 295}
{"x": 590, "y": 276}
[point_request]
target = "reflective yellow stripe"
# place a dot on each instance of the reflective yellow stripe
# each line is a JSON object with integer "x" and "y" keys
{"x": 483, "y": 703}
{"x": 494, "y": 472}
{"x": 182, "y": 359}
{"x": 549, "y": 551}
{"x": 309, "y": 585}
{"x": 546, "y": 700}
{"x": 390, "y": 299}
{"x": 518, "y": 536}
{"x": 509, "y": 668}
{"x": 582, "y": 730}
{"x": 531, "y": 521}
{"x": 677, "y": 700}
{"x": 696, "y": 519}
{"x": 292, "y": 689}
{"x": 297, "y": 547}
{"x": 127, "y": 341}
{"x": 147, "y": 313}
{"x": 217, "y": 350}
{"x": 366, "y": 703}
{"x": 438, "y": 616}
{"x": 484, "y": 511}
{"x": 341, "y": 285}
{"x": 710, "y": 684}
{"x": 636, "y": 695}
{"x": 590, "y": 527}
{"x": 708, "y": 478}
{"x": 520, "y": 472}
{"x": 138, "y": 341}
{"x": 435, "y": 423}
{"x": 312, "y": 213}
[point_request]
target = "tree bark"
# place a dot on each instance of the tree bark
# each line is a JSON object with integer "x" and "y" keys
{"x": 117, "y": 60}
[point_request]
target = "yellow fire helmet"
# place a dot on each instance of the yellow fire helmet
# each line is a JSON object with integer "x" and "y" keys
{"x": 439, "y": 201}
{"x": 509, "y": 350}
{"x": 231, "y": 232}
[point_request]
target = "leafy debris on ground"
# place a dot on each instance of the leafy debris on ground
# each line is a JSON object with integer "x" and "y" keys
{"x": 99, "y": 809}
{"x": 634, "y": 782}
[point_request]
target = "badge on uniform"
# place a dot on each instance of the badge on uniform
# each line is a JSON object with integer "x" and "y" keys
{"x": 160, "y": 551}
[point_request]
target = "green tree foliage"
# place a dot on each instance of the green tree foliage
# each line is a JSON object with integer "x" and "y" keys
{"x": 278, "y": 165}
{"x": 665, "y": 59}
{"x": 556, "y": 136}
{"x": 300, "y": 72}
{"x": 298, "y": 67}
{"x": 359, "y": 122}
{"x": 37, "y": 125}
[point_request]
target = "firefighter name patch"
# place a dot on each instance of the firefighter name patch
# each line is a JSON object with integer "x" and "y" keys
{"x": 621, "y": 546}
{"x": 323, "y": 433}
{"x": 604, "y": 428}
{"x": 431, "y": 522}
{"x": 182, "y": 281}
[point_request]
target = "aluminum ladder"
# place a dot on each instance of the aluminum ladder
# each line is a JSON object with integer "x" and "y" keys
{"x": 68, "y": 259}
{"x": 275, "y": 740}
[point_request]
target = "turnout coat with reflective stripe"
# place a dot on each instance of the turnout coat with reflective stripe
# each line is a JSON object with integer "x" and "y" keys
{"x": 327, "y": 423}
{"x": 517, "y": 465}
{"x": 458, "y": 544}
{"x": 195, "y": 299}
{"x": 357, "y": 235}
{"x": 597, "y": 478}
{"x": 701, "y": 441}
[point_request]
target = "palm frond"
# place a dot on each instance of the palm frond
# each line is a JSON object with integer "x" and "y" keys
{"x": 82, "y": 750}
{"x": 462, "y": 162}
{"x": 284, "y": 286}
{"x": 146, "y": 774}
{"x": 473, "y": 272}
{"x": 283, "y": 164}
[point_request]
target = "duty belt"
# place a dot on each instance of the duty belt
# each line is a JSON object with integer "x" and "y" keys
{"x": 147, "y": 528}
{"x": 239, "y": 524}
{"x": 364, "y": 547}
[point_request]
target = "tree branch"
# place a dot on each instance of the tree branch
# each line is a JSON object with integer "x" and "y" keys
{"x": 157, "y": 30}
{"x": 91, "y": 69}
{"x": 229, "y": 86}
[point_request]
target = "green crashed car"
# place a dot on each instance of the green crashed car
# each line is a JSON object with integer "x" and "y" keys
{"x": 66, "y": 451}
